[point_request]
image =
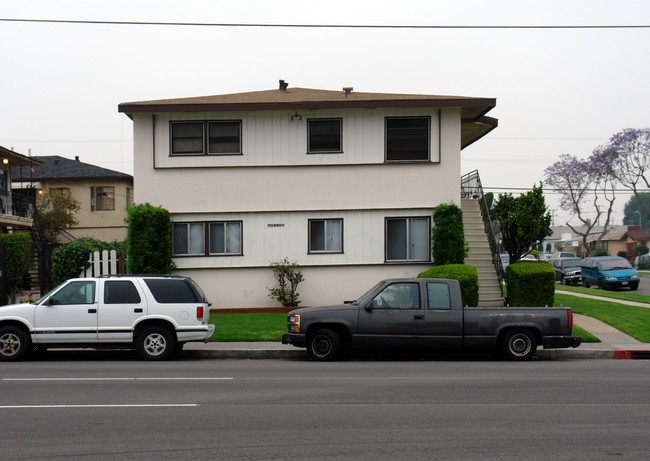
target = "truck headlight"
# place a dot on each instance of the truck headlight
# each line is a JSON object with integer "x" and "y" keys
{"x": 293, "y": 322}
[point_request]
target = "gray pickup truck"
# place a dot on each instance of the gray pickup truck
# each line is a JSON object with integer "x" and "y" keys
{"x": 426, "y": 314}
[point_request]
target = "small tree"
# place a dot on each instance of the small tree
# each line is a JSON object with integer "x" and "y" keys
{"x": 56, "y": 212}
{"x": 17, "y": 249}
{"x": 149, "y": 240}
{"x": 448, "y": 235}
{"x": 288, "y": 277}
{"x": 524, "y": 222}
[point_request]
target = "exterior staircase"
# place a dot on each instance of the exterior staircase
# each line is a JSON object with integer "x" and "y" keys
{"x": 480, "y": 255}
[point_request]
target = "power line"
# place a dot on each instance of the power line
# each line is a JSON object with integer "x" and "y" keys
{"x": 326, "y": 26}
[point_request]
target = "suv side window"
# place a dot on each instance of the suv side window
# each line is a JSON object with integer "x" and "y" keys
{"x": 80, "y": 292}
{"x": 121, "y": 292}
{"x": 398, "y": 296}
{"x": 170, "y": 291}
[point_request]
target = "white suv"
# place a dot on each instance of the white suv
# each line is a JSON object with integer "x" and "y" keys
{"x": 155, "y": 314}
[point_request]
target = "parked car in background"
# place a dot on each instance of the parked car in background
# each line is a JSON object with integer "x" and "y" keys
{"x": 567, "y": 270}
{"x": 563, "y": 254}
{"x": 609, "y": 272}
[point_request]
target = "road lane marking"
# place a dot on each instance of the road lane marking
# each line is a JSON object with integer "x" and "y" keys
{"x": 149, "y": 405}
{"x": 126, "y": 378}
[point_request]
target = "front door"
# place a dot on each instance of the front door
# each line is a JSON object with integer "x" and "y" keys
{"x": 69, "y": 315}
{"x": 394, "y": 319}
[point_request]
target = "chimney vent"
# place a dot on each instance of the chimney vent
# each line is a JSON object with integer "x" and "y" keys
{"x": 76, "y": 157}
{"x": 283, "y": 86}
{"x": 347, "y": 90}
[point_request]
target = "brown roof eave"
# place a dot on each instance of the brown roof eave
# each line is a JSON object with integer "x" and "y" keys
{"x": 18, "y": 159}
{"x": 487, "y": 103}
{"x": 490, "y": 124}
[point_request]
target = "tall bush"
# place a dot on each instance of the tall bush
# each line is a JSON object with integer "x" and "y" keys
{"x": 530, "y": 284}
{"x": 448, "y": 236}
{"x": 17, "y": 247}
{"x": 149, "y": 240}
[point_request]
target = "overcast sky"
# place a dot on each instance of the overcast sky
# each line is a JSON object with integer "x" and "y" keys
{"x": 558, "y": 90}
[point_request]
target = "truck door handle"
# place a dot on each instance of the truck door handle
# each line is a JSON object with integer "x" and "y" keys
{"x": 418, "y": 317}
{"x": 92, "y": 311}
{"x": 137, "y": 310}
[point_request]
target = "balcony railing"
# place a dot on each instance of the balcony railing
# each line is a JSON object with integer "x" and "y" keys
{"x": 17, "y": 204}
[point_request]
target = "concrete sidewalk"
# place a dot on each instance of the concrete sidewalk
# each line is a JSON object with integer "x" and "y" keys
{"x": 615, "y": 344}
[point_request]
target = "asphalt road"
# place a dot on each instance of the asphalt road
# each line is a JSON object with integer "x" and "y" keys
{"x": 264, "y": 409}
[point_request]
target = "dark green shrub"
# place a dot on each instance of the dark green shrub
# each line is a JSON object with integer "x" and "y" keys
{"x": 448, "y": 236}
{"x": 530, "y": 284}
{"x": 466, "y": 276}
{"x": 69, "y": 260}
{"x": 149, "y": 240}
{"x": 17, "y": 247}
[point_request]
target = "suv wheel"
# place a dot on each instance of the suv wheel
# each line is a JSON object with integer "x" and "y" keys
{"x": 155, "y": 343}
{"x": 14, "y": 344}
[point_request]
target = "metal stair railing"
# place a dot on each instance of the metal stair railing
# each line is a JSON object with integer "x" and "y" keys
{"x": 471, "y": 187}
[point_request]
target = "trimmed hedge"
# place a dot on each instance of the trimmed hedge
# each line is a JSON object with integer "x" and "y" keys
{"x": 69, "y": 260}
{"x": 149, "y": 240}
{"x": 530, "y": 284}
{"x": 17, "y": 252}
{"x": 448, "y": 236}
{"x": 466, "y": 276}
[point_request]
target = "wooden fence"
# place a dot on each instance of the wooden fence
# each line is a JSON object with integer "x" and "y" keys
{"x": 105, "y": 263}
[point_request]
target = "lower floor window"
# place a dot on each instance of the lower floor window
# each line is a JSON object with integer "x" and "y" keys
{"x": 225, "y": 238}
{"x": 408, "y": 239}
{"x": 325, "y": 235}
{"x": 221, "y": 238}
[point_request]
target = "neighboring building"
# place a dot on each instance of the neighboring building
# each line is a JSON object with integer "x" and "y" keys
{"x": 16, "y": 209}
{"x": 344, "y": 183}
{"x": 104, "y": 195}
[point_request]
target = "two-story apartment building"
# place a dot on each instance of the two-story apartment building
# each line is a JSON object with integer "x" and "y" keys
{"x": 342, "y": 182}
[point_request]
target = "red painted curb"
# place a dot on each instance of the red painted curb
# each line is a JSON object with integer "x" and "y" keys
{"x": 631, "y": 354}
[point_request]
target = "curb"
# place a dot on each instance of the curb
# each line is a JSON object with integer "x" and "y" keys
{"x": 301, "y": 354}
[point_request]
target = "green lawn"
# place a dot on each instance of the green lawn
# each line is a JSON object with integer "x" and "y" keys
{"x": 248, "y": 327}
{"x": 585, "y": 335}
{"x": 633, "y": 320}
{"x": 626, "y": 294}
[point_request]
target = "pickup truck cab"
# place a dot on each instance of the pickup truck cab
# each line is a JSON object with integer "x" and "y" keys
{"x": 154, "y": 314}
{"x": 426, "y": 314}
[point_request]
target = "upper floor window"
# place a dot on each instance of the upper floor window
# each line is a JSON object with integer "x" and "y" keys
{"x": 324, "y": 135}
{"x": 189, "y": 238}
{"x": 102, "y": 198}
{"x": 222, "y": 137}
{"x": 408, "y": 239}
{"x": 325, "y": 236}
{"x": 408, "y": 139}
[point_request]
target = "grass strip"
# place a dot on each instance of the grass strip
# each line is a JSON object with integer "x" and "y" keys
{"x": 248, "y": 327}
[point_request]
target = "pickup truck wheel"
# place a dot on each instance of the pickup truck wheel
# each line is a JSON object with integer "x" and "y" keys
{"x": 519, "y": 345}
{"x": 324, "y": 345}
{"x": 155, "y": 343}
{"x": 14, "y": 344}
